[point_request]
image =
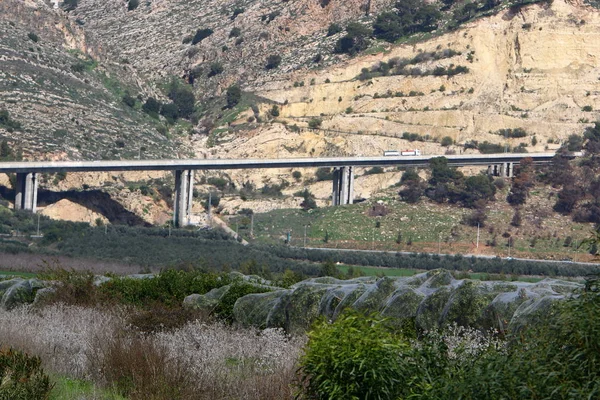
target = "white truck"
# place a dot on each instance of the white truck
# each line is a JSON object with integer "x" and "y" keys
{"x": 392, "y": 153}
{"x": 412, "y": 152}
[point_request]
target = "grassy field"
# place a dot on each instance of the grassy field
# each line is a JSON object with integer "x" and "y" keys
{"x": 427, "y": 227}
{"x": 17, "y": 273}
{"x": 69, "y": 389}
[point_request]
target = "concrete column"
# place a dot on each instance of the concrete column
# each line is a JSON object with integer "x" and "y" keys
{"x": 35, "y": 193}
{"x": 351, "y": 185}
{"x": 490, "y": 170}
{"x": 184, "y": 193}
{"x": 28, "y": 196}
{"x": 511, "y": 170}
{"x": 335, "y": 195}
{"x": 344, "y": 186}
{"x": 19, "y": 190}
{"x": 503, "y": 170}
{"x": 190, "y": 196}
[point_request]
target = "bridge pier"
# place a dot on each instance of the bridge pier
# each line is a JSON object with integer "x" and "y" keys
{"x": 26, "y": 191}
{"x": 184, "y": 193}
{"x": 504, "y": 170}
{"x": 343, "y": 186}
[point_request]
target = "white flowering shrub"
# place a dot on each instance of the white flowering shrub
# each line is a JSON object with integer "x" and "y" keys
{"x": 197, "y": 361}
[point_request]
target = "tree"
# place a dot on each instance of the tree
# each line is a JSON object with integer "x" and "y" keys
{"x": 170, "y": 112}
{"x": 516, "y": 219}
{"x": 574, "y": 142}
{"x": 567, "y": 198}
{"x": 592, "y": 136}
{"x": 309, "y": 202}
{"x": 410, "y": 175}
{"x": 273, "y": 61}
{"x": 412, "y": 192}
{"x": 388, "y": 26}
{"x": 592, "y": 242}
{"x": 355, "y": 40}
{"x": 5, "y": 151}
{"x": 442, "y": 173}
{"x": 183, "y": 98}
{"x": 478, "y": 187}
{"x": 234, "y": 95}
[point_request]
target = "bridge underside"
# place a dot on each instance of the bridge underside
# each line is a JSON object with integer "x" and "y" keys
{"x": 343, "y": 176}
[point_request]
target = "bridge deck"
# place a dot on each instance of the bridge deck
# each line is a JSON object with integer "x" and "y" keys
{"x": 222, "y": 164}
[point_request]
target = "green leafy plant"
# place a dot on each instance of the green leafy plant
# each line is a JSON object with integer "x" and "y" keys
{"x": 356, "y": 357}
{"x": 22, "y": 377}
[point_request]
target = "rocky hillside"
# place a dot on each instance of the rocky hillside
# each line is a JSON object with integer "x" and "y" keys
{"x": 66, "y": 104}
{"x": 532, "y": 69}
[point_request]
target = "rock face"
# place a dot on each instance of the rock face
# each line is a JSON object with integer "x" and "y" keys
{"x": 433, "y": 299}
{"x": 18, "y": 291}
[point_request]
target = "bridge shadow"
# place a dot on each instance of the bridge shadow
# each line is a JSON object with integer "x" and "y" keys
{"x": 94, "y": 200}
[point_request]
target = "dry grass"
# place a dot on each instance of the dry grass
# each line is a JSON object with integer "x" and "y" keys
{"x": 197, "y": 361}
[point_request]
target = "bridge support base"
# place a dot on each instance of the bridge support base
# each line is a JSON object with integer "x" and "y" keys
{"x": 26, "y": 191}
{"x": 343, "y": 186}
{"x": 184, "y": 193}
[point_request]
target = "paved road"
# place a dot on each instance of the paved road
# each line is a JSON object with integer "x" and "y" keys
{"x": 222, "y": 164}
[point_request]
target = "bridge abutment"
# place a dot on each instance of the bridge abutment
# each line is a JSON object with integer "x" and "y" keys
{"x": 184, "y": 193}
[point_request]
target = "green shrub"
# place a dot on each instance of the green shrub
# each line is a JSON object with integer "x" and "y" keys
{"x": 235, "y": 32}
{"x": 324, "y": 174}
{"x": 234, "y": 95}
{"x": 215, "y": 68}
{"x": 236, "y": 11}
{"x": 201, "y": 34}
{"x": 273, "y": 61}
{"x": 315, "y": 123}
{"x": 587, "y": 108}
{"x": 7, "y": 122}
{"x": 446, "y": 141}
{"x": 70, "y": 5}
{"x": 133, "y": 4}
{"x": 33, "y": 37}
{"x": 333, "y": 29}
{"x": 22, "y": 377}
{"x": 356, "y": 357}
{"x": 275, "y": 110}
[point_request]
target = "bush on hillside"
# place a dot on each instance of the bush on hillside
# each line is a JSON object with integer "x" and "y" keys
{"x": 201, "y": 34}
{"x": 273, "y": 61}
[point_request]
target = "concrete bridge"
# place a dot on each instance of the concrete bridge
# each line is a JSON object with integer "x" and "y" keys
{"x": 343, "y": 174}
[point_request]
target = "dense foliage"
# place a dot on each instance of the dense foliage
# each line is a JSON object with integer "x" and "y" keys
{"x": 557, "y": 358}
{"x": 22, "y": 377}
